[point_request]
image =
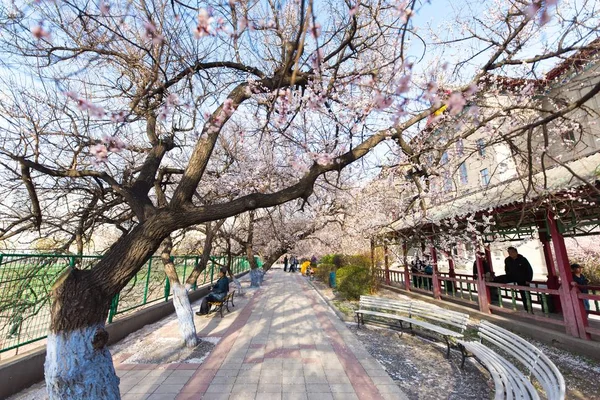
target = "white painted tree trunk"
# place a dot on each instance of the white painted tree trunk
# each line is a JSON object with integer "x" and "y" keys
{"x": 185, "y": 315}
{"x": 74, "y": 369}
{"x": 255, "y": 278}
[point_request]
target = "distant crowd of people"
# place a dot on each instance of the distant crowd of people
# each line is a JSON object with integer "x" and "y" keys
{"x": 291, "y": 265}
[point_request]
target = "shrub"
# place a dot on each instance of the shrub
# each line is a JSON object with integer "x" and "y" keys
{"x": 359, "y": 260}
{"x": 323, "y": 271}
{"x": 334, "y": 259}
{"x": 353, "y": 281}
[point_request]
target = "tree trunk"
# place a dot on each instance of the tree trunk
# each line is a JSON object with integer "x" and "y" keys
{"x": 207, "y": 249}
{"x": 185, "y": 315}
{"x": 255, "y": 274}
{"x": 270, "y": 259}
{"x": 79, "y": 365}
{"x": 181, "y": 299}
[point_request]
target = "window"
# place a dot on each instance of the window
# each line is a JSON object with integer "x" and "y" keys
{"x": 485, "y": 177}
{"x": 460, "y": 148}
{"x": 481, "y": 147}
{"x": 444, "y": 159}
{"x": 568, "y": 137}
{"x": 464, "y": 179}
{"x": 447, "y": 183}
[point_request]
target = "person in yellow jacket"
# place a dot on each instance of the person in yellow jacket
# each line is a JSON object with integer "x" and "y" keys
{"x": 304, "y": 267}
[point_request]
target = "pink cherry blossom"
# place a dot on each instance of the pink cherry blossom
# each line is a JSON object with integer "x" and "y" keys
{"x": 382, "y": 101}
{"x": 39, "y": 32}
{"x": 403, "y": 84}
{"x": 205, "y": 21}
{"x": 545, "y": 17}
{"x": 404, "y": 13}
{"x": 228, "y": 108}
{"x": 172, "y": 100}
{"x": 118, "y": 116}
{"x": 163, "y": 113}
{"x": 532, "y": 9}
{"x": 151, "y": 33}
{"x": 471, "y": 90}
{"x": 315, "y": 30}
{"x": 104, "y": 7}
{"x": 456, "y": 103}
{"x": 113, "y": 143}
{"x": 100, "y": 152}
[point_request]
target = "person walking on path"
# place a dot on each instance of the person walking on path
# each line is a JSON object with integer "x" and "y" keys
{"x": 285, "y": 263}
{"x": 219, "y": 291}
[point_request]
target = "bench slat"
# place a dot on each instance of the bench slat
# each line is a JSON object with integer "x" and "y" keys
{"x": 417, "y": 322}
{"x": 514, "y": 382}
{"x": 536, "y": 362}
{"x": 437, "y": 314}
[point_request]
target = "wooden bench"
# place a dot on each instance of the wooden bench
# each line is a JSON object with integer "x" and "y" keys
{"x": 223, "y": 303}
{"x": 509, "y": 381}
{"x": 414, "y": 313}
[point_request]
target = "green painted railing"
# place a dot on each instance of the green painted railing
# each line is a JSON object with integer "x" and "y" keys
{"x": 26, "y": 280}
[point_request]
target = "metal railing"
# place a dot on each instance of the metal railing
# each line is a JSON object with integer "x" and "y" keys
{"x": 26, "y": 281}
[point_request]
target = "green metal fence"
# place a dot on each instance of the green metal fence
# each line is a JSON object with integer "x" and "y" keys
{"x": 26, "y": 279}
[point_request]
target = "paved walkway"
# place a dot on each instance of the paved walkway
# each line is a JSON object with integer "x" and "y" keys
{"x": 285, "y": 343}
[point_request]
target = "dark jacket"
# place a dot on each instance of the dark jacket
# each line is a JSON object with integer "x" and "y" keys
{"x": 486, "y": 267}
{"x": 518, "y": 270}
{"x": 581, "y": 280}
{"x": 222, "y": 286}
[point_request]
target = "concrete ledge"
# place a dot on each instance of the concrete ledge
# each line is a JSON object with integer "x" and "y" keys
{"x": 585, "y": 348}
{"x": 27, "y": 369}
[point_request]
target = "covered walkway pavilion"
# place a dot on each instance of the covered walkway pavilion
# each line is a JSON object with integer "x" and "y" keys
{"x": 562, "y": 202}
{"x": 284, "y": 342}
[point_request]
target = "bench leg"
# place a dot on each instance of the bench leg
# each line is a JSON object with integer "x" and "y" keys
{"x": 447, "y": 344}
{"x": 463, "y": 353}
{"x": 227, "y": 306}
{"x": 232, "y": 305}
{"x": 221, "y": 310}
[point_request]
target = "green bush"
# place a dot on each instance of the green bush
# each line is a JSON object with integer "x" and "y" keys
{"x": 353, "y": 281}
{"x": 359, "y": 260}
{"x": 323, "y": 271}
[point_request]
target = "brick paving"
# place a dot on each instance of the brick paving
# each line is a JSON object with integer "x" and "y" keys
{"x": 284, "y": 343}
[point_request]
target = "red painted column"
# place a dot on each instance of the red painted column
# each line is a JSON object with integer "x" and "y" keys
{"x": 552, "y": 281}
{"x": 386, "y": 259}
{"x": 488, "y": 257}
{"x": 406, "y": 270}
{"x": 572, "y": 308}
{"x": 437, "y": 292}
{"x": 483, "y": 292}
{"x": 451, "y": 271}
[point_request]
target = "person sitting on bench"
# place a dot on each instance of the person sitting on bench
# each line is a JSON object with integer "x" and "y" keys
{"x": 219, "y": 291}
